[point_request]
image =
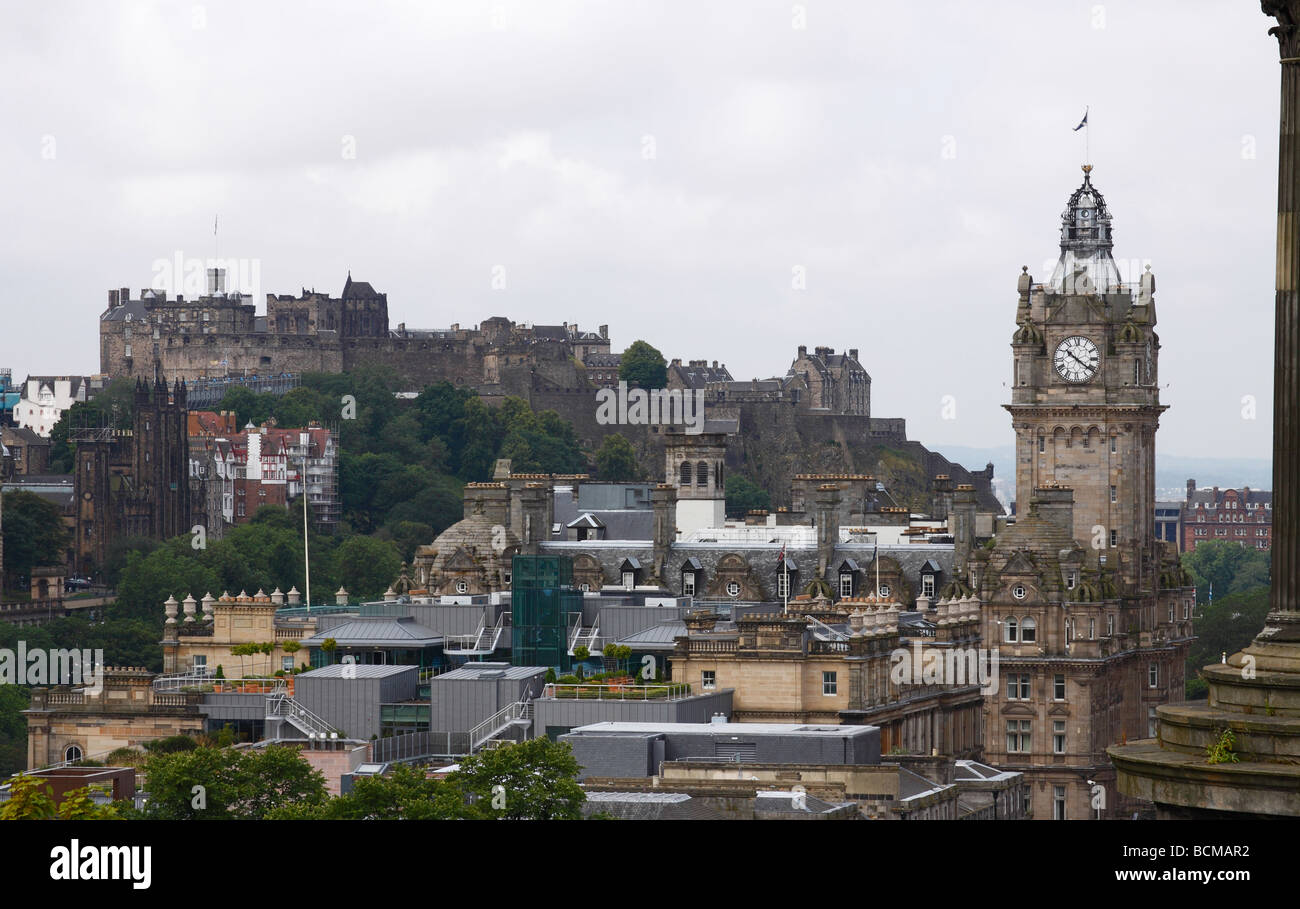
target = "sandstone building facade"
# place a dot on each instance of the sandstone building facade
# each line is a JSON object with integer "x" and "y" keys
{"x": 1091, "y": 614}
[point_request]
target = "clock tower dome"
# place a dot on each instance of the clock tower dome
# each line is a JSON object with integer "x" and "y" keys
{"x": 1085, "y": 403}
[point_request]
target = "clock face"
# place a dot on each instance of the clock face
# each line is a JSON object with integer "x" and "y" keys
{"x": 1076, "y": 359}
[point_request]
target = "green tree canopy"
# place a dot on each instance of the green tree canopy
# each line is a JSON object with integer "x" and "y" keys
{"x": 642, "y": 366}
{"x": 366, "y": 566}
{"x": 616, "y": 460}
{"x": 34, "y": 535}
{"x": 744, "y": 496}
{"x": 1225, "y": 626}
{"x": 1229, "y": 566}
{"x": 235, "y": 785}
{"x": 536, "y": 780}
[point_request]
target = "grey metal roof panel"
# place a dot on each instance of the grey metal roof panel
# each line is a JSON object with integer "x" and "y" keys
{"x": 482, "y": 670}
{"x": 664, "y": 634}
{"x": 377, "y": 632}
{"x": 358, "y": 671}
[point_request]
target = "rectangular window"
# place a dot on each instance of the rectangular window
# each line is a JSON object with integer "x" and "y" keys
{"x": 688, "y": 585}
{"x": 1153, "y": 724}
{"x": 1153, "y": 675}
{"x": 782, "y": 584}
{"x": 1112, "y": 445}
{"x": 1042, "y": 440}
{"x": 1114, "y": 497}
{"x": 200, "y": 661}
{"x": 829, "y": 684}
{"x": 1058, "y": 687}
{"x": 1058, "y": 803}
{"x": 1114, "y": 538}
{"x": 927, "y": 585}
{"x": 286, "y": 663}
{"x": 708, "y": 679}
{"x": 846, "y": 585}
{"x": 1110, "y": 626}
{"x": 1018, "y": 687}
{"x": 1092, "y": 629}
{"x": 1058, "y": 736}
{"x": 1018, "y": 735}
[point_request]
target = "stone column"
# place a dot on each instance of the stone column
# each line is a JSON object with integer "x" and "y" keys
{"x": 1283, "y": 622}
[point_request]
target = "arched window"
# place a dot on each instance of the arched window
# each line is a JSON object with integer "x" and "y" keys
{"x": 702, "y": 474}
{"x": 72, "y": 753}
{"x": 686, "y": 473}
{"x": 1010, "y": 625}
{"x": 1028, "y": 630}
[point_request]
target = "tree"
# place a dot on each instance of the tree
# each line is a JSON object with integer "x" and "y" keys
{"x": 616, "y": 460}
{"x": 30, "y": 799}
{"x": 642, "y": 366}
{"x": 408, "y": 536}
{"x": 366, "y": 566}
{"x": 34, "y": 535}
{"x": 113, "y": 407}
{"x": 249, "y": 407}
{"x": 404, "y": 794}
{"x": 234, "y": 785}
{"x": 533, "y": 780}
{"x": 744, "y": 496}
{"x": 80, "y": 805}
{"x": 1225, "y": 626}
{"x": 1228, "y": 566}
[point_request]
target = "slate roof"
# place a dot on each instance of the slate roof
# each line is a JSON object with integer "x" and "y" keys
{"x": 133, "y": 308}
{"x": 1217, "y": 496}
{"x": 359, "y": 290}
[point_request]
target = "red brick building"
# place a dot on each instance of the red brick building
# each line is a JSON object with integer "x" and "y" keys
{"x": 1242, "y": 516}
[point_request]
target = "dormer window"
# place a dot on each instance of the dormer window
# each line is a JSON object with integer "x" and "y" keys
{"x": 629, "y": 570}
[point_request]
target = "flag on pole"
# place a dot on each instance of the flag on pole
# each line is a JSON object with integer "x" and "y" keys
{"x": 1083, "y": 122}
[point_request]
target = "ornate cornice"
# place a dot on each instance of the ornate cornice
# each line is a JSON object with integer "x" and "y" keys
{"x": 1287, "y": 13}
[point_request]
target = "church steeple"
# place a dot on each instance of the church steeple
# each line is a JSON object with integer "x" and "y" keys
{"x": 1085, "y": 265}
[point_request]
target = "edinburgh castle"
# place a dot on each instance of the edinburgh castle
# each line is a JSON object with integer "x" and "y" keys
{"x": 814, "y": 418}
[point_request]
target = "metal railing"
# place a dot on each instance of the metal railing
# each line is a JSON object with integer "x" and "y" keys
{"x": 282, "y": 706}
{"x": 499, "y": 722}
{"x": 414, "y": 746}
{"x": 179, "y": 680}
{"x": 655, "y": 691}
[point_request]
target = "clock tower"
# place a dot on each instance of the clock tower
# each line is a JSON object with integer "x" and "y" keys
{"x": 1085, "y": 402}
{"x": 1090, "y": 613}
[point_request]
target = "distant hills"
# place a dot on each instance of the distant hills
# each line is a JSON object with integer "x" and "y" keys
{"x": 1172, "y": 471}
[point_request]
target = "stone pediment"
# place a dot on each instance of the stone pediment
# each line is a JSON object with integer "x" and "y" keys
{"x": 1017, "y": 709}
{"x": 460, "y": 560}
{"x": 1058, "y": 710}
{"x": 1020, "y": 563}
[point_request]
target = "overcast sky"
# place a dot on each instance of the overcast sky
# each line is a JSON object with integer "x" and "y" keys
{"x": 664, "y": 168}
